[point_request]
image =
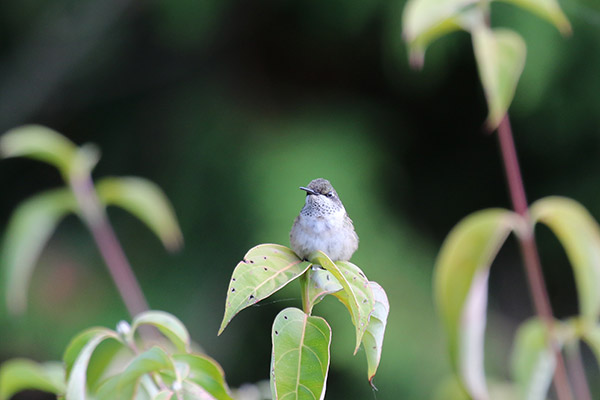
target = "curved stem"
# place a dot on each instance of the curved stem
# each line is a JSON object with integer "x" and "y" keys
{"x": 530, "y": 254}
{"x": 94, "y": 215}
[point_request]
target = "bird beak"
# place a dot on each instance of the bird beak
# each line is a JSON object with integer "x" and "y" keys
{"x": 309, "y": 191}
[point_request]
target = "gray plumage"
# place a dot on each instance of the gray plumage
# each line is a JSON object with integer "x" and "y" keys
{"x": 323, "y": 224}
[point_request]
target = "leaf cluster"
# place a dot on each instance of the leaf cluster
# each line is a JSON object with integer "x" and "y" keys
{"x": 35, "y": 219}
{"x": 301, "y": 341}
{"x": 461, "y": 285}
{"x": 500, "y": 53}
{"x": 100, "y": 363}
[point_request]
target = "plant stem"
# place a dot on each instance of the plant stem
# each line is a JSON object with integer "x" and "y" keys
{"x": 530, "y": 254}
{"x": 577, "y": 372}
{"x": 95, "y": 217}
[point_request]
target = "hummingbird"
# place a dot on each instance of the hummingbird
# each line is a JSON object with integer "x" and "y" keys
{"x": 323, "y": 224}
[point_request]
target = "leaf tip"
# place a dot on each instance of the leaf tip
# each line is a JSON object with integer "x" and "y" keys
{"x": 223, "y": 326}
{"x": 372, "y": 384}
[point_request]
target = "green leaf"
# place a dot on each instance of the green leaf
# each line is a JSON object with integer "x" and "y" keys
{"x": 164, "y": 395}
{"x": 373, "y": 338}
{"x": 77, "y": 375}
{"x": 300, "y": 358}
{"x": 264, "y": 270}
{"x": 547, "y": 9}
{"x": 316, "y": 283}
{"x": 192, "y": 391}
{"x": 579, "y": 235}
{"x": 146, "y": 201}
{"x": 21, "y": 374}
{"x": 206, "y": 373}
{"x": 39, "y": 143}
{"x": 28, "y": 231}
{"x": 424, "y": 21}
{"x": 167, "y": 324}
{"x": 533, "y": 360}
{"x": 77, "y": 344}
{"x": 153, "y": 360}
{"x": 460, "y": 285}
{"x": 356, "y": 296}
{"x": 500, "y": 56}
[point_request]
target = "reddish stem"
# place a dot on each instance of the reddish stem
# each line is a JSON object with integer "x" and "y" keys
{"x": 109, "y": 246}
{"x": 530, "y": 254}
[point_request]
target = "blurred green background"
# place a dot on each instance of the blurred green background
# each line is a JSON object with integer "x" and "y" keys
{"x": 231, "y": 105}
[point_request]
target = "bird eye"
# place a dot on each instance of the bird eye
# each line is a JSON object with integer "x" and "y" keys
{"x": 330, "y": 194}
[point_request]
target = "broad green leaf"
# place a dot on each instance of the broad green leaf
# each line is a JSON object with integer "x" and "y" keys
{"x": 108, "y": 354}
{"x": 206, "y": 373}
{"x": 316, "y": 283}
{"x": 533, "y": 361}
{"x": 164, "y": 395}
{"x": 167, "y": 324}
{"x": 579, "y": 235}
{"x": 547, "y": 9}
{"x": 356, "y": 296}
{"x": 77, "y": 375}
{"x": 127, "y": 382}
{"x": 460, "y": 284}
{"x": 146, "y": 201}
{"x": 40, "y": 143}
{"x": 264, "y": 270}
{"x": 373, "y": 338}
{"x": 300, "y": 358}
{"x": 424, "y": 21}
{"x": 22, "y": 374}
{"x": 500, "y": 56}
{"x": 28, "y": 231}
{"x": 192, "y": 391}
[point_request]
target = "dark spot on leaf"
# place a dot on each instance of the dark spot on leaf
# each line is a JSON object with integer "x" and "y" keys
{"x": 361, "y": 274}
{"x": 265, "y": 268}
{"x": 251, "y": 261}
{"x": 251, "y": 297}
{"x": 265, "y": 257}
{"x": 285, "y": 317}
{"x": 374, "y": 347}
{"x": 327, "y": 277}
{"x": 353, "y": 278}
{"x": 276, "y": 333}
{"x": 245, "y": 261}
{"x": 233, "y": 279}
{"x": 232, "y": 289}
{"x": 364, "y": 301}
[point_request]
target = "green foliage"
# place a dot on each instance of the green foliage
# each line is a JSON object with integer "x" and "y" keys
{"x": 30, "y": 227}
{"x": 579, "y": 234}
{"x": 500, "y": 53}
{"x": 19, "y": 374}
{"x": 147, "y": 202}
{"x": 356, "y": 296}
{"x": 133, "y": 371}
{"x": 533, "y": 362}
{"x": 34, "y": 221}
{"x": 300, "y": 357}
{"x": 42, "y": 144}
{"x": 373, "y": 337}
{"x": 461, "y": 274}
{"x": 264, "y": 270}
